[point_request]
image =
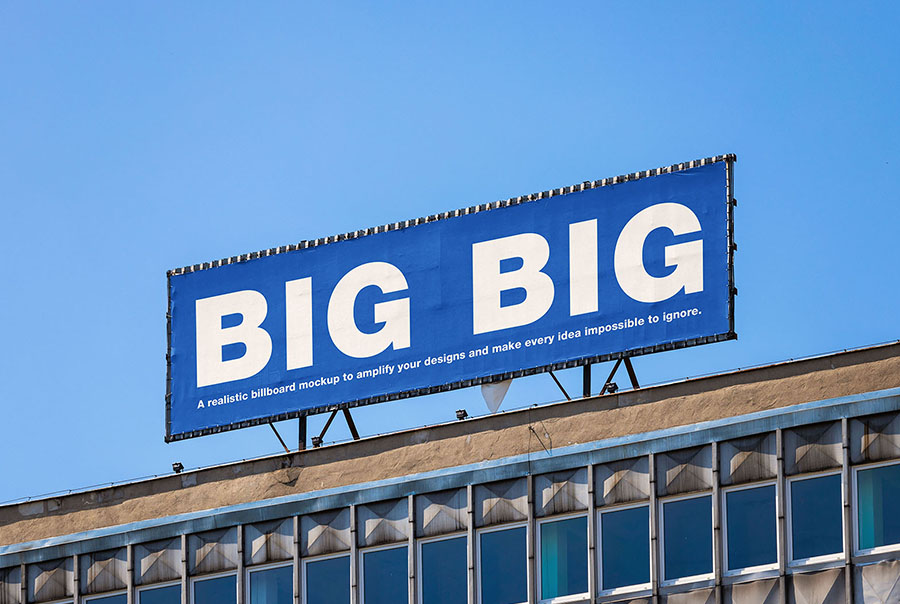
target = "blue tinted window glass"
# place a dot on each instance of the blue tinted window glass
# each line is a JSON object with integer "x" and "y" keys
{"x": 444, "y": 571}
{"x": 272, "y": 586}
{"x": 816, "y": 517}
{"x": 877, "y": 497}
{"x": 386, "y": 576}
{"x": 160, "y": 595}
{"x": 625, "y": 547}
{"x": 221, "y": 590}
{"x": 563, "y": 557}
{"x": 328, "y": 581}
{"x": 504, "y": 563}
{"x": 751, "y": 527}
{"x": 117, "y": 599}
{"x": 688, "y": 537}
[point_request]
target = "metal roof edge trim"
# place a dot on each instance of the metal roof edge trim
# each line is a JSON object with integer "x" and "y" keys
{"x": 601, "y": 451}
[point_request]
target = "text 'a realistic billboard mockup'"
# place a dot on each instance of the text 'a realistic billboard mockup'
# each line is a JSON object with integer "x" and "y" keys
{"x": 623, "y": 266}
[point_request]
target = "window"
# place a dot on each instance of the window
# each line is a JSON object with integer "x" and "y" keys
{"x": 815, "y": 525}
{"x": 503, "y": 565}
{"x": 750, "y": 539}
{"x": 385, "y": 575}
{"x": 273, "y": 585}
{"x": 624, "y": 548}
{"x": 877, "y": 493}
{"x": 687, "y": 538}
{"x": 167, "y": 594}
{"x": 443, "y": 571}
{"x": 327, "y": 580}
{"x": 217, "y": 590}
{"x": 114, "y": 599}
{"x": 563, "y": 562}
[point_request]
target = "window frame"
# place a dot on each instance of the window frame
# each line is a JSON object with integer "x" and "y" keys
{"x": 304, "y": 562}
{"x": 789, "y": 514}
{"x": 269, "y": 566}
{"x": 426, "y": 540}
{"x": 579, "y": 597}
{"x": 206, "y": 577}
{"x": 760, "y": 568}
{"x": 661, "y": 519}
{"x": 478, "y": 557}
{"x": 598, "y": 549}
{"x": 854, "y": 510}
{"x": 361, "y": 565}
{"x": 109, "y": 594}
{"x": 141, "y": 588}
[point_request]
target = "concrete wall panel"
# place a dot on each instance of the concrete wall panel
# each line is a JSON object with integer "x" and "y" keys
{"x": 754, "y": 592}
{"x": 213, "y": 552}
{"x": 103, "y": 571}
{"x": 748, "y": 459}
{"x": 877, "y": 583}
{"x": 11, "y": 585}
{"x": 325, "y": 532}
{"x": 501, "y": 502}
{"x": 269, "y": 541}
{"x": 561, "y": 492}
{"x": 700, "y": 596}
{"x": 684, "y": 471}
{"x": 52, "y": 580}
{"x": 382, "y": 522}
{"x": 812, "y": 448}
{"x": 825, "y": 587}
{"x": 875, "y": 438}
{"x": 441, "y": 513}
{"x": 622, "y": 481}
{"x": 157, "y": 562}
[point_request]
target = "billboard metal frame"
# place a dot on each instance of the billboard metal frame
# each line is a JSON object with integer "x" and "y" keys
{"x": 729, "y": 160}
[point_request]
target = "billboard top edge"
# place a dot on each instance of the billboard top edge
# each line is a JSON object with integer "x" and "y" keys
{"x": 729, "y": 157}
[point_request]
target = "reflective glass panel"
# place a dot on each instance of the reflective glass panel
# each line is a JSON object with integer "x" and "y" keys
{"x": 272, "y": 586}
{"x": 751, "y": 527}
{"x": 444, "y": 579}
{"x": 625, "y": 547}
{"x": 504, "y": 566}
{"x": 688, "y": 537}
{"x": 563, "y": 557}
{"x": 170, "y": 594}
{"x": 816, "y": 517}
{"x": 116, "y": 599}
{"x": 328, "y": 581}
{"x": 386, "y": 576}
{"x": 221, "y": 590}
{"x": 878, "y": 491}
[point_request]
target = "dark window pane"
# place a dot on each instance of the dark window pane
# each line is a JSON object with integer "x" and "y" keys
{"x": 220, "y": 590}
{"x": 272, "y": 586}
{"x": 444, "y": 572}
{"x": 116, "y": 599}
{"x": 625, "y": 543}
{"x": 503, "y": 560}
{"x": 816, "y": 517}
{"x": 160, "y": 595}
{"x": 688, "y": 537}
{"x": 751, "y": 527}
{"x": 563, "y": 557}
{"x": 328, "y": 581}
{"x": 877, "y": 497}
{"x": 386, "y": 576}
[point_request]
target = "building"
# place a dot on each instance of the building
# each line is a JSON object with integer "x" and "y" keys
{"x": 767, "y": 485}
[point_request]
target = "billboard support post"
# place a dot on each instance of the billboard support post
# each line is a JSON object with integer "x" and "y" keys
{"x": 301, "y": 433}
{"x": 586, "y": 381}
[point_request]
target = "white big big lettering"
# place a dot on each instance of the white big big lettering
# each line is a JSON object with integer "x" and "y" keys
{"x": 488, "y": 283}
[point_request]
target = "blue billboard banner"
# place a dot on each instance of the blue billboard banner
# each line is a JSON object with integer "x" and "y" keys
{"x": 611, "y": 268}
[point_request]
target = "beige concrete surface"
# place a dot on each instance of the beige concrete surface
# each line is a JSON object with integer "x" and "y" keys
{"x": 459, "y": 443}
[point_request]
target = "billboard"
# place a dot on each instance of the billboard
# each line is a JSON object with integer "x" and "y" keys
{"x": 600, "y": 270}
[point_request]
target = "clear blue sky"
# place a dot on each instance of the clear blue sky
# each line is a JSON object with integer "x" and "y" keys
{"x": 140, "y": 136}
